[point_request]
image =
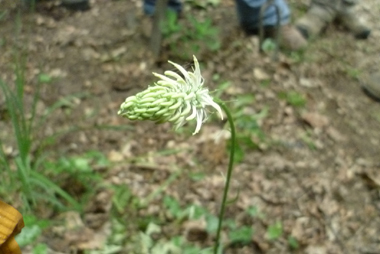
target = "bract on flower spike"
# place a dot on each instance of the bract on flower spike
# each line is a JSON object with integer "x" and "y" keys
{"x": 173, "y": 98}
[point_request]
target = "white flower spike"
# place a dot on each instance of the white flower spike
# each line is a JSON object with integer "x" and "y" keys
{"x": 173, "y": 98}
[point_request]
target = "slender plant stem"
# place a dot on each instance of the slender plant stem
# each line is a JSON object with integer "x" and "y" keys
{"x": 229, "y": 173}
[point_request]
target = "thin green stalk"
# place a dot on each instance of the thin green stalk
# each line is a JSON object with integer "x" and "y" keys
{"x": 48, "y": 185}
{"x": 24, "y": 130}
{"x": 23, "y": 171}
{"x": 229, "y": 173}
{"x": 15, "y": 106}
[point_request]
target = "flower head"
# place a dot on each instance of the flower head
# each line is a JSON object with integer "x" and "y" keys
{"x": 173, "y": 98}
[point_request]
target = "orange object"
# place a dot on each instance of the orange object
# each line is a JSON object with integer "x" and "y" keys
{"x": 11, "y": 223}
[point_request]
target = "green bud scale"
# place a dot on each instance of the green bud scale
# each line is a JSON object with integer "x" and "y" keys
{"x": 174, "y": 98}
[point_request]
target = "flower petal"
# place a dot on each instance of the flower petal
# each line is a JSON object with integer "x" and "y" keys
{"x": 197, "y": 72}
{"x": 199, "y": 121}
{"x": 182, "y": 70}
{"x": 193, "y": 114}
{"x": 174, "y": 75}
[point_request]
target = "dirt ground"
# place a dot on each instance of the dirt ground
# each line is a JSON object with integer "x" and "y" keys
{"x": 316, "y": 171}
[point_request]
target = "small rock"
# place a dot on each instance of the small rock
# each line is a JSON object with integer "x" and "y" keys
{"x": 89, "y": 54}
{"x": 260, "y": 75}
{"x": 118, "y": 52}
{"x": 315, "y": 250}
{"x": 335, "y": 134}
{"x": 315, "y": 120}
{"x": 306, "y": 82}
{"x": 115, "y": 156}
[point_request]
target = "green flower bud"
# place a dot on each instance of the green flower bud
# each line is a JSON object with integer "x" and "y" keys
{"x": 174, "y": 98}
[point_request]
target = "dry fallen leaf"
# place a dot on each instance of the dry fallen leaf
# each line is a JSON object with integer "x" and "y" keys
{"x": 260, "y": 74}
{"x": 315, "y": 120}
{"x": 115, "y": 156}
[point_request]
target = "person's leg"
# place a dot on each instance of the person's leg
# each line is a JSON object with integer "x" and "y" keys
{"x": 249, "y": 17}
{"x": 149, "y": 6}
{"x": 249, "y": 14}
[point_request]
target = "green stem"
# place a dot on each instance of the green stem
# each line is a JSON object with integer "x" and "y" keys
{"x": 229, "y": 173}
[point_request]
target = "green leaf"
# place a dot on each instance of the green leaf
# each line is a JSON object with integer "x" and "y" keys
{"x": 170, "y": 24}
{"x": 81, "y": 164}
{"x": 194, "y": 250}
{"x": 242, "y": 234}
{"x": 173, "y": 206}
{"x": 44, "y": 78}
{"x": 221, "y": 88}
{"x": 253, "y": 211}
{"x": 244, "y": 100}
{"x": 121, "y": 198}
{"x": 197, "y": 176}
{"x": 247, "y": 141}
{"x": 40, "y": 249}
{"x": 165, "y": 248}
{"x": 152, "y": 228}
{"x": 146, "y": 242}
{"x": 231, "y": 224}
{"x": 274, "y": 231}
{"x": 293, "y": 98}
{"x": 293, "y": 243}
{"x": 30, "y": 220}
{"x": 214, "y": 2}
{"x": 210, "y": 250}
{"x": 239, "y": 152}
{"x": 108, "y": 249}
{"x": 268, "y": 45}
{"x": 212, "y": 223}
{"x": 28, "y": 235}
{"x": 196, "y": 212}
{"x": 265, "y": 83}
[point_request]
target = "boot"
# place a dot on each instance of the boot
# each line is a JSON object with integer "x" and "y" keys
{"x": 319, "y": 15}
{"x": 371, "y": 85}
{"x": 76, "y": 5}
{"x": 347, "y": 17}
{"x": 291, "y": 38}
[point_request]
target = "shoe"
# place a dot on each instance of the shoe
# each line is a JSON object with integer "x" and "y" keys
{"x": 291, "y": 38}
{"x": 347, "y": 17}
{"x": 371, "y": 85}
{"x": 76, "y": 5}
{"x": 319, "y": 15}
{"x": 173, "y": 5}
